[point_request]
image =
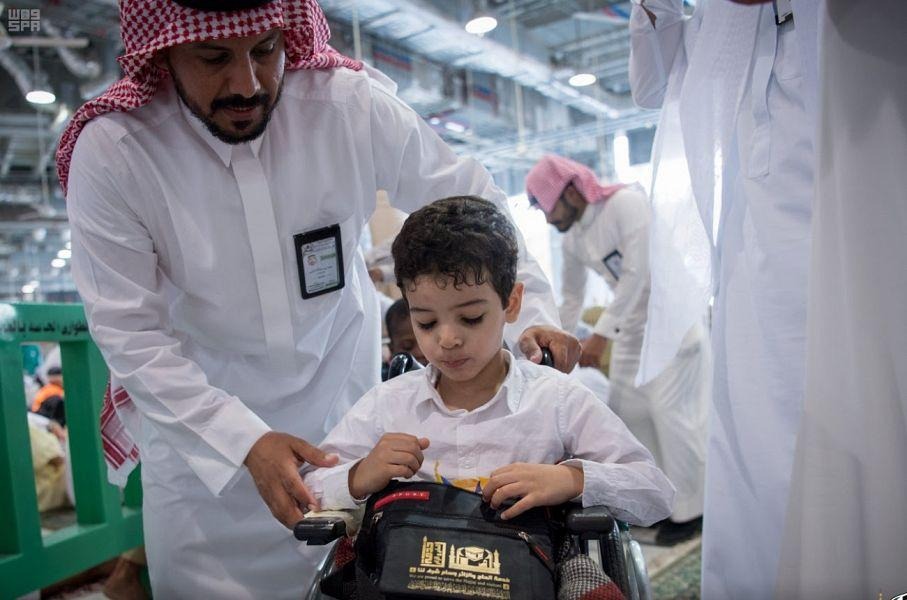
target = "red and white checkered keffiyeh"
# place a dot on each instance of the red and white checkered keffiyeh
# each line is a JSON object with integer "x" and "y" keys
{"x": 147, "y": 27}
{"x": 547, "y": 180}
{"x": 152, "y": 25}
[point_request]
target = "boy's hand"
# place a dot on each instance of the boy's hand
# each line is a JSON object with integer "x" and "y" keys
{"x": 395, "y": 455}
{"x": 533, "y": 485}
{"x": 565, "y": 348}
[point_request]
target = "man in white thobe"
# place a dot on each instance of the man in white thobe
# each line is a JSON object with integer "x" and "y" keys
{"x": 846, "y": 531}
{"x": 216, "y": 216}
{"x": 606, "y": 229}
{"x": 735, "y": 84}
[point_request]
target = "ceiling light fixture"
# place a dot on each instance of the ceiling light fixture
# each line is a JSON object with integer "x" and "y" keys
{"x": 58, "y": 263}
{"x": 40, "y": 97}
{"x": 481, "y": 25}
{"x": 582, "y": 79}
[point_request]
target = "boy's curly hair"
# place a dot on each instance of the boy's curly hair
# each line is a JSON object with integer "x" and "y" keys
{"x": 464, "y": 237}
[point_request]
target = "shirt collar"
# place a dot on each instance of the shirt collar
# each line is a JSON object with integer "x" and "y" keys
{"x": 223, "y": 150}
{"x": 511, "y": 389}
{"x": 589, "y": 215}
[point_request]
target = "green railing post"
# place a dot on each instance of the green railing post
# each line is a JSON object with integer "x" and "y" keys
{"x": 107, "y": 524}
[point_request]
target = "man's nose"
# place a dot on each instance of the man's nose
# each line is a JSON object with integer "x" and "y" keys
{"x": 243, "y": 79}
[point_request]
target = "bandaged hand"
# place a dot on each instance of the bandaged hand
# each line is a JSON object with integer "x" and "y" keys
{"x": 531, "y": 486}
{"x": 274, "y": 462}
{"x": 396, "y": 455}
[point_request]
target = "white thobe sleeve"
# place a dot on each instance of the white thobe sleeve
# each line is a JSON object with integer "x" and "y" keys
{"x": 618, "y": 471}
{"x": 416, "y": 167}
{"x": 573, "y": 289}
{"x": 632, "y": 215}
{"x": 351, "y": 439}
{"x": 115, "y": 268}
{"x": 653, "y": 48}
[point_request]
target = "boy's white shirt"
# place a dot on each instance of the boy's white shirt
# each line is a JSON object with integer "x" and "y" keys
{"x": 538, "y": 415}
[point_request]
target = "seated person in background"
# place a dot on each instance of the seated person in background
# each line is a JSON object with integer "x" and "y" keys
{"x": 48, "y": 454}
{"x": 49, "y": 399}
{"x": 478, "y": 418}
{"x": 400, "y": 331}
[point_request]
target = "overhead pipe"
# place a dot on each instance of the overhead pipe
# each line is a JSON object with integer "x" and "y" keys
{"x": 78, "y": 66}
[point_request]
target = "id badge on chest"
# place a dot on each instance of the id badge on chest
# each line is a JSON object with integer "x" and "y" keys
{"x": 783, "y": 11}
{"x": 319, "y": 258}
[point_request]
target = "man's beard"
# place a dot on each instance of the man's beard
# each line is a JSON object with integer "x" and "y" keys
{"x": 235, "y": 101}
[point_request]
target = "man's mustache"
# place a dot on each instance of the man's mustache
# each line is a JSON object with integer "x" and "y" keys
{"x": 239, "y": 102}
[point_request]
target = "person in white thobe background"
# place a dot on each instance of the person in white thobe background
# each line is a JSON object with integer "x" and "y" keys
{"x": 846, "y": 528}
{"x": 195, "y": 207}
{"x": 733, "y": 163}
{"x": 606, "y": 229}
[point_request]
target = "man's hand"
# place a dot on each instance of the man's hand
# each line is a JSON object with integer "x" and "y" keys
{"x": 564, "y": 347}
{"x": 274, "y": 462}
{"x": 395, "y": 455}
{"x": 593, "y": 349}
{"x": 532, "y": 485}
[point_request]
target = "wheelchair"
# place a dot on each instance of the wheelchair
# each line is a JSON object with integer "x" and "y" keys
{"x": 597, "y": 534}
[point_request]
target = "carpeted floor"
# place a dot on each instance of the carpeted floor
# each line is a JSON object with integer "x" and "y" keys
{"x": 680, "y": 580}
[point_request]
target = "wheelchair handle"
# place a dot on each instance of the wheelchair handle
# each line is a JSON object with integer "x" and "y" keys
{"x": 401, "y": 363}
{"x": 318, "y": 531}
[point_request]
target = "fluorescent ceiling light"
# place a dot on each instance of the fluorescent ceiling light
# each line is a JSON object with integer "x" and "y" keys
{"x": 40, "y": 97}
{"x": 481, "y": 25}
{"x": 64, "y": 254}
{"x": 582, "y": 79}
{"x": 455, "y": 127}
{"x": 58, "y": 263}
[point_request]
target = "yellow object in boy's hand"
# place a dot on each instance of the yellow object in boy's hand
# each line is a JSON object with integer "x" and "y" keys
{"x": 395, "y": 455}
{"x": 533, "y": 485}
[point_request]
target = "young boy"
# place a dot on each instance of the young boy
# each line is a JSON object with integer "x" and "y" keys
{"x": 477, "y": 417}
{"x": 400, "y": 332}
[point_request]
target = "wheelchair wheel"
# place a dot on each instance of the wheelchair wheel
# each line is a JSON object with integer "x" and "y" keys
{"x": 637, "y": 571}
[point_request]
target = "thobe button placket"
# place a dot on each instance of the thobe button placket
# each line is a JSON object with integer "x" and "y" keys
{"x": 267, "y": 258}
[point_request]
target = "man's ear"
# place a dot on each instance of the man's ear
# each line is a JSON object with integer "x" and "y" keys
{"x": 574, "y": 197}
{"x": 512, "y": 310}
{"x": 159, "y": 59}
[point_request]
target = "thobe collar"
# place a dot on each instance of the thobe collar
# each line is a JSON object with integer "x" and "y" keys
{"x": 222, "y": 149}
{"x": 590, "y": 214}
{"x": 511, "y": 389}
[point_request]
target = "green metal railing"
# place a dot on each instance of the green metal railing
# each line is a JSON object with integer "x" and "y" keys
{"x": 108, "y": 521}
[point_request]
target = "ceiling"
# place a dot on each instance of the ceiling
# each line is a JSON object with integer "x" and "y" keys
{"x": 503, "y": 98}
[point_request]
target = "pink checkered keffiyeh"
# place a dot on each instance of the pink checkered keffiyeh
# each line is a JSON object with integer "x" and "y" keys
{"x": 551, "y": 175}
{"x": 147, "y": 27}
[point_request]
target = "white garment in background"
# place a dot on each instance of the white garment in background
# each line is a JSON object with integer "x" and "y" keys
{"x": 184, "y": 255}
{"x": 538, "y": 415}
{"x": 734, "y": 83}
{"x": 668, "y": 415}
{"x": 846, "y": 529}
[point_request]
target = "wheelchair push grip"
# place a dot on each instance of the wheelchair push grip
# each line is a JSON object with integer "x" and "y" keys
{"x": 318, "y": 531}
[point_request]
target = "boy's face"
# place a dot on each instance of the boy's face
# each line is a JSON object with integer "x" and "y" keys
{"x": 460, "y": 330}
{"x": 403, "y": 339}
